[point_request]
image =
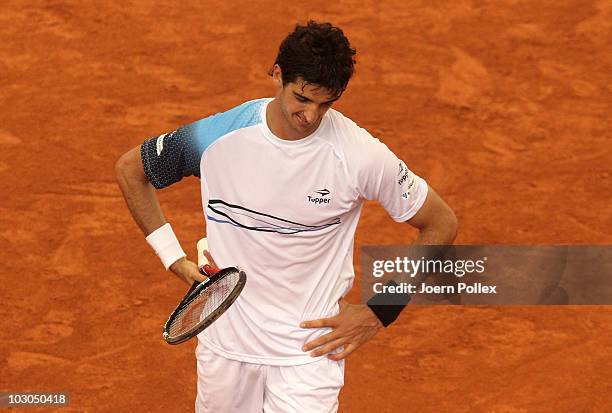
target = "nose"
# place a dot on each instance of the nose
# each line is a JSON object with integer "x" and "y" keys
{"x": 310, "y": 115}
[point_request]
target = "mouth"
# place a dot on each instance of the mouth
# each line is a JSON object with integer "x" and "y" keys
{"x": 302, "y": 123}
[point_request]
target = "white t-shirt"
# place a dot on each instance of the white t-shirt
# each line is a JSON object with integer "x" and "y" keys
{"x": 286, "y": 213}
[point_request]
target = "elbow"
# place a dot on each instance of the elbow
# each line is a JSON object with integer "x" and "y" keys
{"x": 445, "y": 226}
{"x": 441, "y": 229}
{"x": 129, "y": 168}
{"x": 451, "y": 226}
{"x": 121, "y": 167}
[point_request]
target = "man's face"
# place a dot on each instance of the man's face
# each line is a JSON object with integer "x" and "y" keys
{"x": 303, "y": 105}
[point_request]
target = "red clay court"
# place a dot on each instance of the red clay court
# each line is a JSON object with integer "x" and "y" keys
{"x": 503, "y": 106}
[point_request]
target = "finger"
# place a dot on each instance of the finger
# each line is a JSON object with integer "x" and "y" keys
{"x": 195, "y": 274}
{"x": 187, "y": 271}
{"x": 329, "y": 347}
{"x": 199, "y": 277}
{"x": 322, "y": 322}
{"x": 190, "y": 278}
{"x": 211, "y": 261}
{"x": 344, "y": 353}
{"x": 319, "y": 341}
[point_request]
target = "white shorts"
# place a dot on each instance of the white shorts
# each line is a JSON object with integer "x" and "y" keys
{"x": 230, "y": 386}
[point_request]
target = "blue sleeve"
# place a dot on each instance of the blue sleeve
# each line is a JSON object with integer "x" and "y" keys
{"x": 169, "y": 157}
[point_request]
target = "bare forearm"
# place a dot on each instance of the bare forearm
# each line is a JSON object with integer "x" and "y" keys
{"x": 138, "y": 192}
{"x": 141, "y": 199}
{"x": 436, "y": 221}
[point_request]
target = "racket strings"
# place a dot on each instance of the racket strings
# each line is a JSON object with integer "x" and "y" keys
{"x": 203, "y": 305}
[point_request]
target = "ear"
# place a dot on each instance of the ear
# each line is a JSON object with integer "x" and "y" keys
{"x": 277, "y": 76}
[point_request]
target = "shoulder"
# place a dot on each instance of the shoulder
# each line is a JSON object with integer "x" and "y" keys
{"x": 356, "y": 143}
{"x": 214, "y": 127}
{"x": 344, "y": 127}
{"x": 244, "y": 115}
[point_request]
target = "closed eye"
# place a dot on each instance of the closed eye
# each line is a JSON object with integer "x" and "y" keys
{"x": 304, "y": 99}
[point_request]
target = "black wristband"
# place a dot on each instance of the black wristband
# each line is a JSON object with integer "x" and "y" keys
{"x": 388, "y": 306}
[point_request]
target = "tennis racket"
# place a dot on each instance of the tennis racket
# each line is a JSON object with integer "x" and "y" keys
{"x": 204, "y": 302}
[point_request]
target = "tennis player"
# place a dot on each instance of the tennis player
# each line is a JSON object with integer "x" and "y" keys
{"x": 283, "y": 182}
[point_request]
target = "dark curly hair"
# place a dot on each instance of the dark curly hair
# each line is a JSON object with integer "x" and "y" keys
{"x": 320, "y": 54}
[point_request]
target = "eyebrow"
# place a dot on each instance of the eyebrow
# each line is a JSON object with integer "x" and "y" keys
{"x": 310, "y": 100}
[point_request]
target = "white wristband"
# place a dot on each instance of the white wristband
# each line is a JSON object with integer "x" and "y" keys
{"x": 165, "y": 244}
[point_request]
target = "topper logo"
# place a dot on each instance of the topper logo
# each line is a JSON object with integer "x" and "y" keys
{"x": 404, "y": 177}
{"x": 320, "y": 199}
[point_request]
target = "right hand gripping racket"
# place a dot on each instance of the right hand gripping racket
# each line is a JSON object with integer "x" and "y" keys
{"x": 204, "y": 302}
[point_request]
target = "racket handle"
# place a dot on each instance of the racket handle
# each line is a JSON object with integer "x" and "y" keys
{"x": 208, "y": 270}
{"x": 204, "y": 265}
{"x": 202, "y": 246}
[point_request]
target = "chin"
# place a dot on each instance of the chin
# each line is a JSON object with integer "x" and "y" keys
{"x": 299, "y": 126}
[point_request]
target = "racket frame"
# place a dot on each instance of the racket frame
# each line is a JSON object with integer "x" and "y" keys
{"x": 196, "y": 289}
